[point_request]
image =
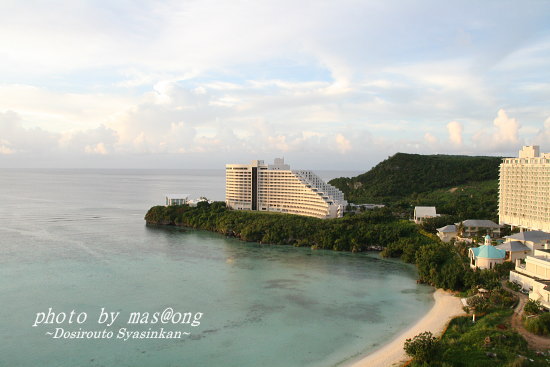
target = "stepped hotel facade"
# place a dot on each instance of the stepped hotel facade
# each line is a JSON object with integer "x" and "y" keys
{"x": 277, "y": 188}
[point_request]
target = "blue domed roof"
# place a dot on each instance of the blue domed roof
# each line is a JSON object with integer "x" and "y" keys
{"x": 488, "y": 252}
{"x": 487, "y": 237}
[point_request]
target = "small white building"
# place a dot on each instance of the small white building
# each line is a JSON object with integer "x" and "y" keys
{"x": 447, "y": 233}
{"x": 424, "y": 212}
{"x": 177, "y": 199}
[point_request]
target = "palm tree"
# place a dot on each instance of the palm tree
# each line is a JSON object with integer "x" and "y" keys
{"x": 460, "y": 229}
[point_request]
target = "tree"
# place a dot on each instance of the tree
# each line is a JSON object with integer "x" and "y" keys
{"x": 460, "y": 229}
{"x": 532, "y": 307}
{"x": 423, "y": 347}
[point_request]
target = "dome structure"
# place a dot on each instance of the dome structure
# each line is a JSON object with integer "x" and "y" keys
{"x": 486, "y": 256}
{"x": 488, "y": 252}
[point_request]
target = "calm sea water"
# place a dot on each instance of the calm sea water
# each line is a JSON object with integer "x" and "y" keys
{"x": 76, "y": 240}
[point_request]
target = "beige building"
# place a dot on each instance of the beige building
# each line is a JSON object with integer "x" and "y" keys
{"x": 277, "y": 188}
{"x": 514, "y": 250}
{"x": 468, "y": 229}
{"x": 534, "y": 276}
{"x": 479, "y": 227}
{"x": 533, "y": 240}
{"x": 524, "y": 198}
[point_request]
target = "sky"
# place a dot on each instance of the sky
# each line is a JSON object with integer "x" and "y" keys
{"x": 325, "y": 84}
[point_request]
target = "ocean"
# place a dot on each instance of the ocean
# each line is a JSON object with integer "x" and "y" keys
{"x": 77, "y": 261}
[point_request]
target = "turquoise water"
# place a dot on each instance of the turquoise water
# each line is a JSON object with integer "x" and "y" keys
{"x": 76, "y": 240}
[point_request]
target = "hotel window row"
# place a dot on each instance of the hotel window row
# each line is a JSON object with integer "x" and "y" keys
{"x": 275, "y": 187}
{"x": 524, "y": 190}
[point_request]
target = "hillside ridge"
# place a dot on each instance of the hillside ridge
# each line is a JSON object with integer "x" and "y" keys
{"x": 462, "y": 185}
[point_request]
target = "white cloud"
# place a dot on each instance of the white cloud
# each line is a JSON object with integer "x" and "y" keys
{"x": 100, "y": 140}
{"x": 225, "y": 78}
{"x": 4, "y": 148}
{"x": 343, "y": 144}
{"x": 543, "y": 137}
{"x": 501, "y": 138}
{"x": 430, "y": 138}
{"x": 455, "y": 132}
{"x": 17, "y": 139}
{"x": 506, "y": 129}
{"x": 98, "y": 148}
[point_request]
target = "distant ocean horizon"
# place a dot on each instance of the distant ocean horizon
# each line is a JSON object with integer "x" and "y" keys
{"x": 75, "y": 240}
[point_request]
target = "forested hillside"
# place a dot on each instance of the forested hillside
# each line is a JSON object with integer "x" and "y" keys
{"x": 458, "y": 185}
{"x": 355, "y": 233}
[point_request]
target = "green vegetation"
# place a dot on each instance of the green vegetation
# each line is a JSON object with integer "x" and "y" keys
{"x": 538, "y": 324}
{"x": 445, "y": 265}
{"x": 423, "y": 348}
{"x": 535, "y": 319}
{"x": 457, "y": 185}
{"x": 352, "y": 233}
{"x": 513, "y": 286}
{"x": 475, "y": 200}
{"x": 533, "y": 307}
{"x": 489, "y": 341}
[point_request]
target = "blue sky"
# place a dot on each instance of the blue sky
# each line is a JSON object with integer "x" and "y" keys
{"x": 326, "y": 84}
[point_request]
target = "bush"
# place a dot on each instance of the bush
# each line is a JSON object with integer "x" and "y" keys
{"x": 502, "y": 298}
{"x": 423, "y": 347}
{"x": 513, "y": 286}
{"x": 539, "y": 325}
{"x": 532, "y": 307}
{"x": 479, "y": 303}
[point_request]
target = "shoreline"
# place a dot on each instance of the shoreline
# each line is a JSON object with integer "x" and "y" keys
{"x": 446, "y": 307}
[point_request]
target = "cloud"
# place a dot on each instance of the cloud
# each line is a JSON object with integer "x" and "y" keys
{"x": 98, "y": 148}
{"x": 430, "y": 138}
{"x": 455, "y": 132}
{"x": 17, "y": 139}
{"x": 4, "y": 148}
{"x": 100, "y": 140}
{"x": 543, "y": 137}
{"x": 218, "y": 79}
{"x": 506, "y": 129}
{"x": 343, "y": 144}
{"x": 501, "y": 138}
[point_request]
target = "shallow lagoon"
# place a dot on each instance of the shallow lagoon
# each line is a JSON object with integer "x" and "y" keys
{"x": 77, "y": 240}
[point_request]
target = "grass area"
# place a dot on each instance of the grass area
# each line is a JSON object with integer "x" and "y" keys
{"x": 488, "y": 342}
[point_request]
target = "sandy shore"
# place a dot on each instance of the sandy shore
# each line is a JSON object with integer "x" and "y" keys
{"x": 446, "y": 307}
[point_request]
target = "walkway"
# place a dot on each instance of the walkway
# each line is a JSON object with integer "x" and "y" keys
{"x": 535, "y": 342}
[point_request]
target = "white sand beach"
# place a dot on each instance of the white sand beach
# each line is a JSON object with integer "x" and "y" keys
{"x": 392, "y": 354}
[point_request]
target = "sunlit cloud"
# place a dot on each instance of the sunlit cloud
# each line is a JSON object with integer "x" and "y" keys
{"x": 336, "y": 83}
{"x": 455, "y": 132}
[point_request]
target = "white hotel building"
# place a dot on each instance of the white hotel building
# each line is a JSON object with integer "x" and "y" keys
{"x": 524, "y": 198}
{"x": 276, "y": 188}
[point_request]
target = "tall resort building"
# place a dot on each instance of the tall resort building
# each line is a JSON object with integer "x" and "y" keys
{"x": 276, "y": 188}
{"x": 524, "y": 190}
